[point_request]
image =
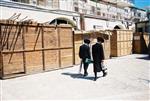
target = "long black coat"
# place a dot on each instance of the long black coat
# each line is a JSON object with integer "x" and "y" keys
{"x": 84, "y": 52}
{"x": 98, "y": 56}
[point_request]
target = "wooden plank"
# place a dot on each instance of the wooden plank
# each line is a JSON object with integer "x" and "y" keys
{"x": 78, "y": 38}
{"x": 114, "y": 52}
{"x": 78, "y": 41}
{"x": 66, "y": 39}
{"x": 50, "y": 38}
{"x": 11, "y": 40}
{"x": 43, "y": 55}
{"x": 18, "y": 51}
{"x": 66, "y": 57}
{"x": 1, "y": 59}
{"x": 16, "y": 64}
{"x": 34, "y": 61}
{"x": 24, "y": 58}
{"x": 77, "y": 59}
{"x": 33, "y": 38}
{"x": 137, "y": 46}
{"x": 1, "y": 65}
{"x": 59, "y": 52}
{"x": 42, "y": 2}
{"x": 51, "y": 59}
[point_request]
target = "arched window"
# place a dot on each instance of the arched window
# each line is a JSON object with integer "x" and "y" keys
{"x": 117, "y": 27}
{"x": 62, "y": 20}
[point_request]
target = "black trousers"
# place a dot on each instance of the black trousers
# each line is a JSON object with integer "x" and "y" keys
{"x": 85, "y": 66}
{"x": 98, "y": 68}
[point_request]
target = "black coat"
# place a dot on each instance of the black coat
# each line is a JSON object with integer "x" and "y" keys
{"x": 84, "y": 52}
{"x": 98, "y": 56}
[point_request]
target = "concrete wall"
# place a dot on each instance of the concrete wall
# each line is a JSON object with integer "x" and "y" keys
{"x": 37, "y": 15}
{"x": 101, "y": 24}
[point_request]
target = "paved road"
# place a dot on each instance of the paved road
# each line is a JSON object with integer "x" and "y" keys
{"x": 128, "y": 79}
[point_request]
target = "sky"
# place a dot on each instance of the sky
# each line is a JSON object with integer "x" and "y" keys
{"x": 142, "y": 3}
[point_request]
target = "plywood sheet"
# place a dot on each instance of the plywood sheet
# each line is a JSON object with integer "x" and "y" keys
{"x": 11, "y": 38}
{"x": 66, "y": 57}
{"x": 50, "y": 38}
{"x": 51, "y": 59}
{"x": 34, "y": 61}
{"x": 13, "y": 65}
{"x": 66, "y": 37}
{"x": 78, "y": 38}
{"x": 33, "y": 38}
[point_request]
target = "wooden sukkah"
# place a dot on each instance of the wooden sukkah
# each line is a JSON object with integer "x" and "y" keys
{"x": 30, "y": 48}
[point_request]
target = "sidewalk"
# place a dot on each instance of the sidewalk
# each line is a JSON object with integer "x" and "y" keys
{"x": 128, "y": 79}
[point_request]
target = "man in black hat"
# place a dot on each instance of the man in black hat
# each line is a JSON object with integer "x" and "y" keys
{"x": 84, "y": 53}
{"x": 98, "y": 57}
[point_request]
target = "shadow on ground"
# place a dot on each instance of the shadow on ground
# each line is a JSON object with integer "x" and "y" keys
{"x": 145, "y": 80}
{"x": 144, "y": 58}
{"x": 79, "y": 76}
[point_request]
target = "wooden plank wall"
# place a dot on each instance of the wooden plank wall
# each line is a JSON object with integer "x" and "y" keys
{"x": 66, "y": 45}
{"x": 78, "y": 41}
{"x": 141, "y": 43}
{"x": 1, "y": 65}
{"x": 121, "y": 42}
{"x": 32, "y": 48}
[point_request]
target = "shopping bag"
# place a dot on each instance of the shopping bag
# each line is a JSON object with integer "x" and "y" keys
{"x": 88, "y": 61}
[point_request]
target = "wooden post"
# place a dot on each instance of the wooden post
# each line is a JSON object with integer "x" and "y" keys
{"x": 1, "y": 58}
{"x": 73, "y": 42}
{"x": 24, "y": 58}
{"x": 43, "y": 49}
{"x": 58, "y": 32}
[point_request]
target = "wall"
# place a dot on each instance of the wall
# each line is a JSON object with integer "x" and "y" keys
{"x": 102, "y": 24}
{"x": 37, "y": 15}
{"x": 31, "y": 48}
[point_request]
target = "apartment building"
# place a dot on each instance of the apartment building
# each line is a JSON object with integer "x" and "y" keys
{"x": 81, "y": 14}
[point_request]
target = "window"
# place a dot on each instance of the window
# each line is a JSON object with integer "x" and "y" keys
{"x": 147, "y": 29}
{"x": 76, "y": 9}
{"x": 139, "y": 14}
{"x": 84, "y": 0}
{"x": 92, "y": 9}
{"x": 140, "y": 29}
{"x": 96, "y": 0}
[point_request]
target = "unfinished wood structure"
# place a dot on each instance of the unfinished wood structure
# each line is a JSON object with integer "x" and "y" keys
{"x": 78, "y": 41}
{"x": 121, "y": 42}
{"x": 31, "y": 48}
{"x": 141, "y": 43}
